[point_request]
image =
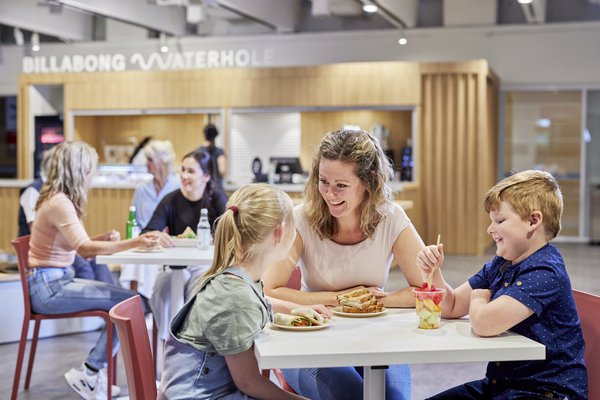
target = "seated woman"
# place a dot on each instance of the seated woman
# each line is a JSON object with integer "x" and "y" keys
{"x": 84, "y": 268}
{"x": 57, "y": 235}
{"x": 177, "y": 211}
{"x": 349, "y": 231}
{"x": 159, "y": 161}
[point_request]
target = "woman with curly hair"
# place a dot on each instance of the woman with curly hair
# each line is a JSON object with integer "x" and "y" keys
{"x": 349, "y": 231}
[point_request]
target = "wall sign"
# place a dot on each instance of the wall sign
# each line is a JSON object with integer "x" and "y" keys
{"x": 241, "y": 58}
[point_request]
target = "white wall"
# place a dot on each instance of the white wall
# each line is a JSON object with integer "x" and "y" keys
{"x": 548, "y": 55}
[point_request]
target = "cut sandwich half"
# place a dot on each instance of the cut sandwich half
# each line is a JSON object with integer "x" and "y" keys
{"x": 359, "y": 301}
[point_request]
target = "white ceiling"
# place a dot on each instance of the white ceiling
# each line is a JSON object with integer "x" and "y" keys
{"x": 106, "y": 20}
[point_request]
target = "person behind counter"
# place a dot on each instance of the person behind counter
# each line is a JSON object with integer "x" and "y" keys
{"x": 218, "y": 160}
{"x": 259, "y": 176}
{"x": 84, "y": 268}
{"x": 159, "y": 156}
{"x": 209, "y": 353}
{"x": 57, "y": 234}
{"x": 177, "y": 211}
{"x": 525, "y": 289}
{"x": 349, "y": 230}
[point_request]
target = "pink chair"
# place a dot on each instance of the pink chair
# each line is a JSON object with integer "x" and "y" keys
{"x": 128, "y": 317}
{"x": 21, "y": 246}
{"x": 587, "y": 308}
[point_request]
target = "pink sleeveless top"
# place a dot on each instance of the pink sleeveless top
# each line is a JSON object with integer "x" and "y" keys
{"x": 328, "y": 266}
{"x": 57, "y": 233}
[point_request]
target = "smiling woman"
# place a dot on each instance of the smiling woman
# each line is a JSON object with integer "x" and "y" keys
{"x": 349, "y": 230}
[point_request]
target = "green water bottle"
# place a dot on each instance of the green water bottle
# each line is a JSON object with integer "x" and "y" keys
{"x": 133, "y": 229}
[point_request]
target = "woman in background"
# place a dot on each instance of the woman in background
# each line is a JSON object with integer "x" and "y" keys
{"x": 57, "y": 235}
{"x": 177, "y": 211}
{"x": 159, "y": 161}
{"x": 217, "y": 155}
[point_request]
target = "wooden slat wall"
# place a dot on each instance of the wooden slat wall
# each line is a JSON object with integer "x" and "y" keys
{"x": 185, "y": 131}
{"x": 456, "y": 158}
{"x": 9, "y": 204}
{"x": 457, "y": 153}
{"x": 107, "y": 209}
{"x": 315, "y": 125}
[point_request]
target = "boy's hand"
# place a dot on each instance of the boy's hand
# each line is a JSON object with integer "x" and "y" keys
{"x": 430, "y": 257}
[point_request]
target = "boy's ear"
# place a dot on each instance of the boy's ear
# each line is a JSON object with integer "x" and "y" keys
{"x": 536, "y": 219}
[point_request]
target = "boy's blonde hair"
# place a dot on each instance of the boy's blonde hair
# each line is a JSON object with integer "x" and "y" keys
{"x": 372, "y": 167}
{"x": 71, "y": 164}
{"x": 529, "y": 191}
{"x": 242, "y": 231}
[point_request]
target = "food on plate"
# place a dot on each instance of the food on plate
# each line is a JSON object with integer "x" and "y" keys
{"x": 428, "y": 306}
{"x": 304, "y": 316}
{"x": 359, "y": 301}
{"x": 312, "y": 315}
{"x": 188, "y": 233}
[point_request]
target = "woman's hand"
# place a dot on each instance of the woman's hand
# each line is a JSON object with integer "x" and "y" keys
{"x": 430, "y": 257}
{"x": 163, "y": 238}
{"x": 375, "y": 291}
{"x": 147, "y": 240}
{"x": 321, "y": 309}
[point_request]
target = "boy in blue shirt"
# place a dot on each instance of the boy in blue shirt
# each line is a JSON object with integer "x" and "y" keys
{"x": 526, "y": 289}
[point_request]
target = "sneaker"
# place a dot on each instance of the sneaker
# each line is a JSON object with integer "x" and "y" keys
{"x": 88, "y": 385}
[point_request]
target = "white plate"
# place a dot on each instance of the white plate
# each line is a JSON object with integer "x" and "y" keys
{"x": 338, "y": 311}
{"x": 301, "y": 328}
{"x": 185, "y": 242}
{"x": 154, "y": 250}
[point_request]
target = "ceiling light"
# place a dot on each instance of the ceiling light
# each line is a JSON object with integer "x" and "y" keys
{"x": 164, "y": 47}
{"x": 403, "y": 40}
{"x": 18, "y": 35}
{"x": 35, "y": 41}
{"x": 369, "y": 7}
{"x": 525, "y": 1}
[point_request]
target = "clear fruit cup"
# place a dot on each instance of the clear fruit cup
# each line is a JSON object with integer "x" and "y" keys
{"x": 429, "y": 307}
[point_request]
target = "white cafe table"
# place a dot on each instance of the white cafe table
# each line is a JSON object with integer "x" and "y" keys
{"x": 393, "y": 338}
{"x": 173, "y": 257}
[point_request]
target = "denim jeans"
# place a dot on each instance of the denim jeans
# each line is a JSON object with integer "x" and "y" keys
{"x": 56, "y": 291}
{"x": 346, "y": 382}
{"x": 89, "y": 269}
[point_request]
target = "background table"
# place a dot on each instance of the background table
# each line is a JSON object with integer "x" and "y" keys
{"x": 172, "y": 256}
{"x": 386, "y": 340}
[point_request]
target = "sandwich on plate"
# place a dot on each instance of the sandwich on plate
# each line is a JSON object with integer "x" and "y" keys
{"x": 304, "y": 316}
{"x": 359, "y": 301}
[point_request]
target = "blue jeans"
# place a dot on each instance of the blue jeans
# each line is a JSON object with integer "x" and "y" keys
{"x": 56, "y": 291}
{"x": 345, "y": 382}
{"x": 482, "y": 389}
{"x": 88, "y": 269}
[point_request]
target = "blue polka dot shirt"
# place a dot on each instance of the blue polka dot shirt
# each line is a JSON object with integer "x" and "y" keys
{"x": 541, "y": 283}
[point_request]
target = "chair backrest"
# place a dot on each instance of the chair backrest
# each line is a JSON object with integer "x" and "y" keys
{"x": 21, "y": 246}
{"x": 128, "y": 317}
{"x": 295, "y": 279}
{"x": 587, "y": 308}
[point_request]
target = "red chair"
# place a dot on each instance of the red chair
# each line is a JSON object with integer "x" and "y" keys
{"x": 21, "y": 246}
{"x": 128, "y": 317}
{"x": 587, "y": 308}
